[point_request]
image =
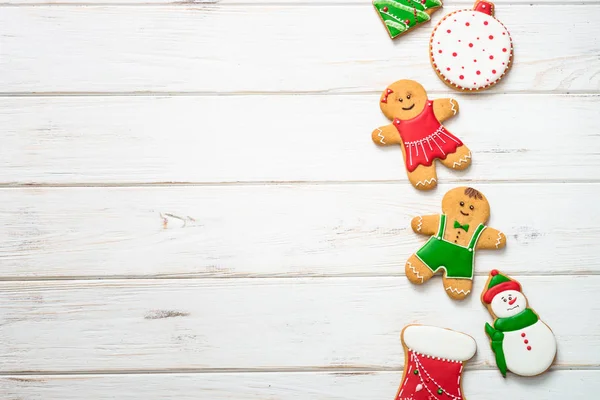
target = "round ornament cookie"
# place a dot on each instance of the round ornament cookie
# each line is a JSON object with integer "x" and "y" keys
{"x": 471, "y": 50}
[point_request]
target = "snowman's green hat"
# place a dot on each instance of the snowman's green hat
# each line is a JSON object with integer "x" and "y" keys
{"x": 498, "y": 283}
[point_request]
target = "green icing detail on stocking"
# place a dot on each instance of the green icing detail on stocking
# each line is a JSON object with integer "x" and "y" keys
{"x": 403, "y": 14}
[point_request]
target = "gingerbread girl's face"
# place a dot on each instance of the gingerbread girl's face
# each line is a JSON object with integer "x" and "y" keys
{"x": 403, "y": 100}
{"x": 466, "y": 205}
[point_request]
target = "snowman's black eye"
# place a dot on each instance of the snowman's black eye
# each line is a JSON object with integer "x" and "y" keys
{"x": 462, "y": 203}
{"x": 472, "y": 208}
{"x": 504, "y": 300}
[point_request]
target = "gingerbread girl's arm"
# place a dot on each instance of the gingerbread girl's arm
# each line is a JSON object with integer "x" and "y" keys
{"x": 445, "y": 109}
{"x": 425, "y": 224}
{"x": 491, "y": 239}
{"x": 386, "y": 135}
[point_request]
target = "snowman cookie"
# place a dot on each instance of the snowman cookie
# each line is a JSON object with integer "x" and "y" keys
{"x": 521, "y": 342}
{"x": 471, "y": 50}
{"x": 457, "y": 233}
{"x": 417, "y": 128}
{"x": 400, "y": 16}
{"x": 434, "y": 360}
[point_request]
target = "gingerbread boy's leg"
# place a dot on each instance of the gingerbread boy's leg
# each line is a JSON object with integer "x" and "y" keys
{"x": 458, "y": 289}
{"x": 416, "y": 271}
{"x": 423, "y": 177}
{"x": 458, "y": 160}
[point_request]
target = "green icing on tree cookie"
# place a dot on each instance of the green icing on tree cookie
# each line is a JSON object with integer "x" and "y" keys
{"x": 401, "y": 15}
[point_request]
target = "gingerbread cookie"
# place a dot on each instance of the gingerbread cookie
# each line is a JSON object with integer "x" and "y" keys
{"x": 470, "y": 49}
{"x": 522, "y": 343}
{"x": 417, "y": 127}
{"x": 433, "y": 363}
{"x": 400, "y": 16}
{"x": 457, "y": 233}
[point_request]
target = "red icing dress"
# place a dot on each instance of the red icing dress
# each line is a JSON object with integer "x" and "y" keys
{"x": 425, "y": 138}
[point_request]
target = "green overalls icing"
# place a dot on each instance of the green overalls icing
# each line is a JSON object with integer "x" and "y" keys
{"x": 457, "y": 260}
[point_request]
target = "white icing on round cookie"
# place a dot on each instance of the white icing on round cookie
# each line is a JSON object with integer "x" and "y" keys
{"x": 471, "y": 50}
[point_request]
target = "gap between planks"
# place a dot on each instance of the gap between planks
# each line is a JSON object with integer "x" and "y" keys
{"x": 359, "y": 370}
{"x": 34, "y": 185}
{"x": 243, "y": 276}
{"x": 335, "y": 92}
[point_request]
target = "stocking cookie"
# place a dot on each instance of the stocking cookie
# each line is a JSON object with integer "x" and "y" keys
{"x": 471, "y": 50}
{"x": 433, "y": 363}
{"x": 400, "y": 16}
{"x": 521, "y": 342}
{"x": 417, "y": 127}
{"x": 457, "y": 233}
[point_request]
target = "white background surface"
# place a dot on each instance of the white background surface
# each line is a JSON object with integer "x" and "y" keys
{"x": 191, "y": 206}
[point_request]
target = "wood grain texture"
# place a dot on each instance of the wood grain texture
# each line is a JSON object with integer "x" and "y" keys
{"x": 290, "y": 49}
{"x": 287, "y": 386}
{"x": 289, "y": 230}
{"x": 250, "y": 3}
{"x": 282, "y": 138}
{"x": 299, "y": 323}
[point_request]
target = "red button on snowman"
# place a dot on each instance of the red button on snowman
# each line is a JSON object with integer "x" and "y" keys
{"x": 521, "y": 342}
{"x": 471, "y": 50}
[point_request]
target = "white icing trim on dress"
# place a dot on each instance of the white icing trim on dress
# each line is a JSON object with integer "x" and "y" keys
{"x": 460, "y": 160}
{"x": 379, "y": 133}
{"x": 439, "y": 342}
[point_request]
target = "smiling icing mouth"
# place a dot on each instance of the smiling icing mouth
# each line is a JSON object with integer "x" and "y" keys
{"x": 464, "y": 214}
{"x": 510, "y": 309}
{"x": 408, "y": 108}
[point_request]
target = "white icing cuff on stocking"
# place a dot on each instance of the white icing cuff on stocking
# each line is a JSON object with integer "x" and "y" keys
{"x": 439, "y": 342}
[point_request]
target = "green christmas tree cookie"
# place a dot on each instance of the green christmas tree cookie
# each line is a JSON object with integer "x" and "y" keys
{"x": 400, "y": 16}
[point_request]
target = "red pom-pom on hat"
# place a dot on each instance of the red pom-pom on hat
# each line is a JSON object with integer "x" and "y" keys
{"x": 494, "y": 272}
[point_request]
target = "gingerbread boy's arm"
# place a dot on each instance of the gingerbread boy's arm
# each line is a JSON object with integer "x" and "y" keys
{"x": 445, "y": 109}
{"x": 491, "y": 239}
{"x": 386, "y": 135}
{"x": 425, "y": 224}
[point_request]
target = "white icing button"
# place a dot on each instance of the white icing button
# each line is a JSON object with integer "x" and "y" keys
{"x": 471, "y": 49}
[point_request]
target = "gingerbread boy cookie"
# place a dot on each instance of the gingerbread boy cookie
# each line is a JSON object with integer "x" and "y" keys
{"x": 400, "y": 16}
{"x": 457, "y": 233}
{"x": 471, "y": 50}
{"x": 433, "y": 363}
{"x": 521, "y": 342}
{"x": 417, "y": 128}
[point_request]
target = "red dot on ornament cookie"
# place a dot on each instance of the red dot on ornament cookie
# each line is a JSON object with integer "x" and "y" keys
{"x": 504, "y": 50}
{"x": 470, "y": 44}
{"x": 454, "y": 54}
{"x": 478, "y": 72}
{"x": 493, "y": 71}
{"x": 462, "y": 77}
{"x": 491, "y": 37}
{"x": 449, "y": 31}
{"x": 440, "y": 51}
{"x": 485, "y": 22}
{"x": 468, "y": 24}
{"x": 491, "y": 57}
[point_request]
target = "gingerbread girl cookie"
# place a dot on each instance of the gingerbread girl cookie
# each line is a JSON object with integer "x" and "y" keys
{"x": 417, "y": 128}
{"x": 457, "y": 233}
{"x": 521, "y": 342}
{"x": 471, "y": 50}
{"x": 433, "y": 363}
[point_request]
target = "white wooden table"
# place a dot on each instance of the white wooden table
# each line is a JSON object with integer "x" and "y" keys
{"x": 191, "y": 206}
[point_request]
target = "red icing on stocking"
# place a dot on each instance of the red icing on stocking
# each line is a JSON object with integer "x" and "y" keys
{"x": 430, "y": 378}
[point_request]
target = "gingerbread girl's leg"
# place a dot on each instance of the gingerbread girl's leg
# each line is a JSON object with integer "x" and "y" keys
{"x": 416, "y": 271}
{"x": 423, "y": 177}
{"x": 458, "y": 160}
{"x": 458, "y": 289}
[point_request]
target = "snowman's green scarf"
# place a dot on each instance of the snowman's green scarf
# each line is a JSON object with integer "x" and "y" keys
{"x": 522, "y": 320}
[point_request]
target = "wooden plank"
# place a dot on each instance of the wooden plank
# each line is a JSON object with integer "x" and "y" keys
{"x": 282, "y": 138}
{"x": 106, "y": 325}
{"x": 271, "y": 48}
{"x": 250, "y": 3}
{"x": 555, "y": 385}
{"x": 298, "y": 230}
